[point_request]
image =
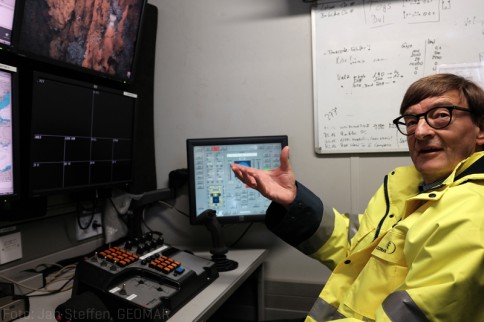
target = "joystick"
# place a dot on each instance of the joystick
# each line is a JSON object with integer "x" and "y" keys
{"x": 218, "y": 251}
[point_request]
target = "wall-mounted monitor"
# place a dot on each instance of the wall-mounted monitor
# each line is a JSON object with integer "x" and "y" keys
{"x": 100, "y": 37}
{"x": 9, "y": 131}
{"x": 8, "y": 17}
{"x": 213, "y": 185}
{"x": 81, "y": 135}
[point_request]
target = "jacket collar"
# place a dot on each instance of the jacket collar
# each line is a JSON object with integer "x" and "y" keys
{"x": 470, "y": 168}
{"x": 431, "y": 186}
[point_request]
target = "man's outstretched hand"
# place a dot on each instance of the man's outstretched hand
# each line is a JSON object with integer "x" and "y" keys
{"x": 278, "y": 185}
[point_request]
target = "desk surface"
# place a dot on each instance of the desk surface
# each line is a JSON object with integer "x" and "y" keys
{"x": 200, "y": 308}
{"x": 211, "y": 298}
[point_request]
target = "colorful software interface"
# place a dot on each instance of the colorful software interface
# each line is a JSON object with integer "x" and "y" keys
{"x": 216, "y": 186}
{"x": 6, "y": 175}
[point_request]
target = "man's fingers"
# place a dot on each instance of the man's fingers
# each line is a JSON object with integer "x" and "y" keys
{"x": 284, "y": 158}
{"x": 244, "y": 175}
{"x": 249, "y": 179}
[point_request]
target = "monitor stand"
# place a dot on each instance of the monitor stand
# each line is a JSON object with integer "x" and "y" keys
{"x": 218, "y": 251}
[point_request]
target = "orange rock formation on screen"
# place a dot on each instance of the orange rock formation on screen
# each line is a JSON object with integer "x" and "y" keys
{"x": 96, "y": 34}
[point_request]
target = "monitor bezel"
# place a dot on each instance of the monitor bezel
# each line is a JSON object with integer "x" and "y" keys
{"x": 75, "y": 67}
{"x": 15, "y": 124}
{"x": 15, "y": 27}
{"x": 195, "y": 142}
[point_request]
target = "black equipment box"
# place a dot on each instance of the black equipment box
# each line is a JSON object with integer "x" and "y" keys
{"x": 143, "y": 280}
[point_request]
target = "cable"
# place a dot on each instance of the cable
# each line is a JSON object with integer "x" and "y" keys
{"x": 51, "y": 292}
{"x": 116, "y": 208}
{"x": 57, "y": 276}
{"x": 242, "y": 235}
{"x": 81, "y": 212}
{"x": 174, "y": 208}
{"x": 88, "y": 224}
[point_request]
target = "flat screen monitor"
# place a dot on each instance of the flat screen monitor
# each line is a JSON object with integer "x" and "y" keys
{"x": 9, "y": 145}
{"x": 81, "y": 135}
{"x": 7, "y": 17}
{"x": 213, "y": 185}
{"x": 96, "y": 36}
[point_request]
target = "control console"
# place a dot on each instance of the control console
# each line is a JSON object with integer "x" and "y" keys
{"x": 142, "y": 279}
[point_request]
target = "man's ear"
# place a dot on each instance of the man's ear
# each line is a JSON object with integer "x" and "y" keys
{"x": 480, "y": 134}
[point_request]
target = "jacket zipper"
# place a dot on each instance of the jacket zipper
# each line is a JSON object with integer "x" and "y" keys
{"x": 387, "y": 201}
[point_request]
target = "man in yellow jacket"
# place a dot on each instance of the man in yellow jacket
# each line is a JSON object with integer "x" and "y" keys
{"x": 417, "y": 252}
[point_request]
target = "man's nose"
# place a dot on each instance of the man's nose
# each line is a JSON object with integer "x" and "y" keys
{"x": 423, "y": 129}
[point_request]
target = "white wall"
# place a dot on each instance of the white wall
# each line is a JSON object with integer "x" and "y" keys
{"x": 243, "y": 67}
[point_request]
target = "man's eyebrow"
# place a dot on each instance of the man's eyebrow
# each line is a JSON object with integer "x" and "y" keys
{"x": 443, "y": 103}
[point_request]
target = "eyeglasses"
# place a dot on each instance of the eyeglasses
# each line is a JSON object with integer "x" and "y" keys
{"x": 437, "y": 117}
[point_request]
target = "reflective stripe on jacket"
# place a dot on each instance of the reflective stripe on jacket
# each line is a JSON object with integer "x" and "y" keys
{"x": 415, "y": 256}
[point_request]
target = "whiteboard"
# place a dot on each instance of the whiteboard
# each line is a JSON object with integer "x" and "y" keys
{"x": 365, "y": 55}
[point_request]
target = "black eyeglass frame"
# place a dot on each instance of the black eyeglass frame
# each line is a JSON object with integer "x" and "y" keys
{"x": 449, "y": 108}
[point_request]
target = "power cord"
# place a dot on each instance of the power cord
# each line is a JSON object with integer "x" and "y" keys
{"x": 83, "y": 211}
{"x": 58, "y": 275}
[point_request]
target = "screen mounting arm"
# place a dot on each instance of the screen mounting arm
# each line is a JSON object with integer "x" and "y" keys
{"x": 209, "y": 218}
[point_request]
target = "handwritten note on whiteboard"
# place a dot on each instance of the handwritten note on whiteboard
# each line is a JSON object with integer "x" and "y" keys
{"x": 365, "y": 55}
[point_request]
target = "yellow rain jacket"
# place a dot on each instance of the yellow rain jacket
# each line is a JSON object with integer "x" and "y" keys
{"x": 412, "y": 256}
